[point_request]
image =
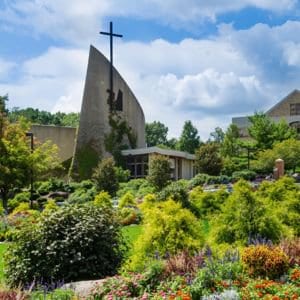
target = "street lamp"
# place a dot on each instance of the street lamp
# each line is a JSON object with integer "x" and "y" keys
{"x": 30, "y": 134}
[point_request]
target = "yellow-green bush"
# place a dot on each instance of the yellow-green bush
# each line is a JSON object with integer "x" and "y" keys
{"x": 103, "y": 199}
{"x": 265, "y": 261}
{"x": 168, "y": 228}
{"x": 127, "y": 200}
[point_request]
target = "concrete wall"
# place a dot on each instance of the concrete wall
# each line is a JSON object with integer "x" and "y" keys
{"x": 63, "y": 137}
{"x": 95, "y": 113}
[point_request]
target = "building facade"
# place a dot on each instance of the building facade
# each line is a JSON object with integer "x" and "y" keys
{"x": 287, "y": 109}
{"x": 138, "y": 161}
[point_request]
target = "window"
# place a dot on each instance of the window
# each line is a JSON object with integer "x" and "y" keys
{"x": 295, "y": 109}
{"x": 137, "y": 165}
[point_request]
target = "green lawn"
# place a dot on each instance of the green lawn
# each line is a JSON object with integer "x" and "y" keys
{"x": 2, "y": 250}
{"x": 131, "y": 232}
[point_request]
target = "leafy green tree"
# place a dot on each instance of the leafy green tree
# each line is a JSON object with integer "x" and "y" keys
{"x": 266, "y": 132}
{"x": 105, "y": 176}
{"x": 172, "y": 143}
{"x": 17, "y": 161}
{"x": 288, "y": 150}
{"x": 159, "y": 172}
{"x": 208, "y": 159}
{"x": 283, "y": 131}
{"x": 156, "y": 133}
{"x": 230, "y": 146}
{"x": 262, "y": 130}
{"x": 218, "y": 135}
{"x": 189, "y": 140}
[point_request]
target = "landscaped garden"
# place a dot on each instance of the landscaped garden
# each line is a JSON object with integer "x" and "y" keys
{"x": 224, "y": 234}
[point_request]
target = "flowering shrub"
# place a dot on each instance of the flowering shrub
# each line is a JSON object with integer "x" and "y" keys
{"x": 295, "y": 276}
{"x": 265, "y": 261}
{"x": 218, "y": 275}
{"x": 226, "y": 295}
{"x": 270, "y": 290}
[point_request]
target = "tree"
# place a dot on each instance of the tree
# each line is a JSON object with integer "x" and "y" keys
{"x": 218, "y": 135}
{"x": 262, "y": 130}
{"x": 159, "y": 172}
{"x": 208, "y": 159}
{"x": 230, "y": 145}
{"x": 189, "y": 140}
{"x": 288, "y": 150}
{"x": 17, "y": 161}
{"x": 156, "y": 133}
{"x": 105, "y": 176}
{"x": 283, "y": 131}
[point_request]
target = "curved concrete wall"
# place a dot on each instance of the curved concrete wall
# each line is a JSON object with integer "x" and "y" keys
{"x": 95, "y": 111}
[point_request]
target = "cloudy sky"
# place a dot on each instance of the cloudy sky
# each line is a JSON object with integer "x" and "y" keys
{"x": 198, "y": 60}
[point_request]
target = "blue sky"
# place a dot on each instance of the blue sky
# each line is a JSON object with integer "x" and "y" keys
{"x": 204, "y": 61}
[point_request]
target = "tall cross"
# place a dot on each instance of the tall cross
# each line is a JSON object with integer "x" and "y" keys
{"x": 111, "y": 84}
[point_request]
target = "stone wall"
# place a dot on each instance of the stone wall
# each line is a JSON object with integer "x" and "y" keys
{"x": 282, "y": 108}
{"x": 63, "y": 137}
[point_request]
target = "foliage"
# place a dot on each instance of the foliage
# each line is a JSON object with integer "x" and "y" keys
{"x": 184, "y": 263}
{"x": 105, "y": 176}
{"x": 244, "y": 215}
{"x": 51, "y": 185}
{"x": 17, "y": 161}
{"x": 57, "y": 294}
{"x": 218, "y": 135}
{"x": 114, "y": 140}
{"x": 103, "y": 199}
{"x": 137, "y": 187}
{"x": 122, "y": 175}
{"x": 72, "y": 243}
{"x": 217, "y": 275}
{"x": 17, "y": 199}
{"x": 269, "y": 289}
{"x": 288, "y": 150}
{"x": 156, "y": 133}
{"x": 208, "y": 159}
{"x": 246, "y": 175}
{"x": 84, "y": 161}
{"x": 159, "y": 172}
{"x": 37, "y": 116}
{"x": 167, "y": 229}
{"x": 207, "y": 203}
{"x": 230, "y": 145}
{"x": 265, "y": 261}
{"x": 189, "y": 139}
{"x": 84, "y": 192}
{"x": 127, "y": 200}
{"x": 129, "y": 216}
{"x": 291, "y": 247}
{"x": 177, "y": 191}
{"x": 265, "y": 132}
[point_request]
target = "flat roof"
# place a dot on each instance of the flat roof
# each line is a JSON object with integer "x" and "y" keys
{"x": 167, "y": 152}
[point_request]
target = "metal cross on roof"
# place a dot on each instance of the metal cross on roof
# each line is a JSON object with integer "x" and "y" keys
{"x": 111, "y": 84}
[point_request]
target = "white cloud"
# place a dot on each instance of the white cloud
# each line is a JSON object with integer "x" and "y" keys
{"x": 5, "y": 68}
{"x": 207, "y": 81}
{"x": 79, "y": 20}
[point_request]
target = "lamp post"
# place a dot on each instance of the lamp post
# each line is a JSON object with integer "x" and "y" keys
{"x": 30, "y": 134}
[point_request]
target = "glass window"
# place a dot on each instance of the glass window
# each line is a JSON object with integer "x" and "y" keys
{"x": 295, "y": 109}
